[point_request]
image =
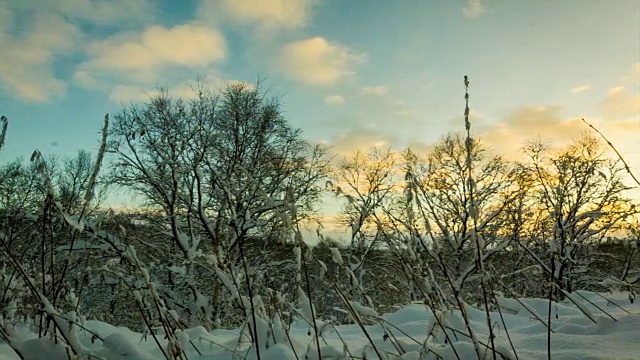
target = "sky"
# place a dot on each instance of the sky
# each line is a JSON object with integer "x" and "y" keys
{"x": 351, "y": 74}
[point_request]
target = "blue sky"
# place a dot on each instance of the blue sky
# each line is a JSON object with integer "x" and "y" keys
{"x": 352, "y": 74}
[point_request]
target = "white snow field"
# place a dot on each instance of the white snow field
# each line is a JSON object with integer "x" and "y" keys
{"x": 602, "y": 326}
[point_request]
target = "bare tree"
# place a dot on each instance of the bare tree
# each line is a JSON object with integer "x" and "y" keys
{"x": 580, "y": 193}
{"x": 442, "y": 194}
{"x": 365, "y": 183}
{"x": 222, "y": 167}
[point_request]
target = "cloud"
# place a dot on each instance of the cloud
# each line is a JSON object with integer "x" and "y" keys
{"x": 527, "y": 123}
{"x": 620, "y": 103}
{"x": 26, "y": 59}
{"x": 474, "y": 9}
{"x": 623, "y": 101}
{"x": 134, "y": 93}
{"x": 614, "y": 91}
{"x": 183, "y": 45}
{"x": 183, "y": 89}
{"x": 581, "y": 88}
{"x": 455, "y": 122}
{"x": 85, "y": 79}
{"x": 633, "y": 77}
{"x": 317, "y": 61}
{"x": 334, "y": 99}
{"x": 268, "y": 14}
{"x": 139, "y": 57}
{"x": 131, "y": 93}
{"x": 404, "y": 113}
{"x": 6, "y": 18}
{"x": 103, "y": 12}
{"x": 361, "y": 138}
{"x": 618, "y": 119}
{"x": 186, "y": 89}
{"x": 374, "y": 90}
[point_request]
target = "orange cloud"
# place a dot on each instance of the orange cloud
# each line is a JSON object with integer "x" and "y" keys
{"x": 528, "y": 123}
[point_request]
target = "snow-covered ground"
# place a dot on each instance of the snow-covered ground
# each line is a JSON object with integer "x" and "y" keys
{"x": 606, "y": 327}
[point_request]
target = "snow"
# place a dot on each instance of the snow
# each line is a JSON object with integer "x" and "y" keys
{"x": 411, "y": 332}
{"x": 335, "y": 256}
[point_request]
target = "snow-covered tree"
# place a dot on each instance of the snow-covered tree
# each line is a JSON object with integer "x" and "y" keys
{"x": 221, "y": 169}
{"x": 581, "y": 196}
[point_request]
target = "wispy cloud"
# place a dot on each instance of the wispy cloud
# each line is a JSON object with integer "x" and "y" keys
{"x": 474, "y": 9}
{"x": 317, "y": 61}
{"x": 615, "y": 90}
{"x": 623, "y": 101}
{"x": 581, "y": 88}
{"x": 334, "y": 99}
{"x": 404, "y": 113}
{"x": 97, "y": 11}
{"x": 362, "y": 138}
{"x": 267, "y": 14}
{"x": 374, "y": 90}
{"x": 6, "y": 18}
{"x": 185, "y": 90}
{"x": 620, "y": 103}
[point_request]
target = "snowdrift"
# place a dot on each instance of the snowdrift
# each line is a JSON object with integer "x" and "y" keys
{"x": 586, "y": 326}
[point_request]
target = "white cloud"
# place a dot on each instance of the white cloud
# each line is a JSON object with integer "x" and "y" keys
{"x": 25, "y": 59}
{"x": 374, "y": 90}
{"x": 140, "y": 56}
{"x": 317, "y": 61}
{"x": 474, "y": 9}
{"x": 334, "y": 99}
{"x": 186, "y": 45}
{"x": 269, "y": 14}
{"x": 85, "y": 79}
{"x": 581, "y": 88}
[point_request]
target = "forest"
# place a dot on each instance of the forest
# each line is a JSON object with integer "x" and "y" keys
{"x": 228, "y": 240}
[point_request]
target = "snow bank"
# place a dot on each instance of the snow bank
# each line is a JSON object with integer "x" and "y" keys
{"x": 406, "y": 334}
